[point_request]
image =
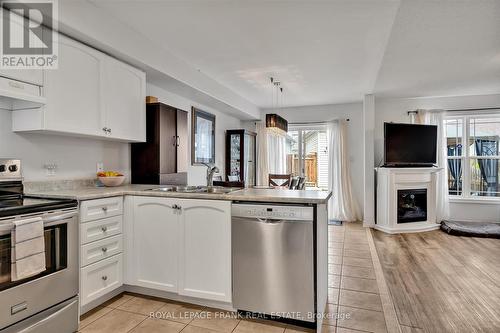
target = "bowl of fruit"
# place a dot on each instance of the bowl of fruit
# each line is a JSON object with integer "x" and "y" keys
{"x": 111, "y": 178}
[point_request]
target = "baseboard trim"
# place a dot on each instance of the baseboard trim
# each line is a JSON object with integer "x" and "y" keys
{"x": 176, "y": 297}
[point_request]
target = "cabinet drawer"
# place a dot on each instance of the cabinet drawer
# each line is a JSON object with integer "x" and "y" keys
{"x": 97, "y": 209}
{"x": 101, "y": 278}
{"x": 99, "y": 229}
{"x": 101, "y": 249}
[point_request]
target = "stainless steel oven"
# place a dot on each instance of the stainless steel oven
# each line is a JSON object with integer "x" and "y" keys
{"x": 53, "y": 291}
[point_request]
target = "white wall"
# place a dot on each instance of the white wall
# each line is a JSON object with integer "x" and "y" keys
{"x": 351, "y": 111}
{"x": 223, "y": 122}
{"x": 75, "y": 157}
{"x": 395, "y": 110}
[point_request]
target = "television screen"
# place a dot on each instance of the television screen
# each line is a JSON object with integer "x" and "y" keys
{"x": 410, "y": 144}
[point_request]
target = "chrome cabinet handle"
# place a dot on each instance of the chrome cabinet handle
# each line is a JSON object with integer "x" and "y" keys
{"x": 104, "y": 277}
{"x": 104, "y": 229}
{"x": 177, "y": 141}
{"x": 104, "y": 249}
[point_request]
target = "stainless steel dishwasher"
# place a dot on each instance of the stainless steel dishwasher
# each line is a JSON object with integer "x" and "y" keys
{"x": 273, "y": 260}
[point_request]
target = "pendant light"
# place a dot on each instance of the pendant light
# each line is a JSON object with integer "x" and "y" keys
{"x": 273, "y": 120}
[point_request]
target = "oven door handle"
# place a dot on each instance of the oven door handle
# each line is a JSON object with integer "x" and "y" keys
{"x": 50, "y": 220}
{"x": 58, "y": 219}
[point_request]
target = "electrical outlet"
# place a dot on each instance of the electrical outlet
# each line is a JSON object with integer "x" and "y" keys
{"x": 99, "y": 167}
{"x": 51, "y": 168}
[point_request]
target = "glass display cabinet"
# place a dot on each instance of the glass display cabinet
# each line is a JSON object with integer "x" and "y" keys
{"x": 240, "y": 157}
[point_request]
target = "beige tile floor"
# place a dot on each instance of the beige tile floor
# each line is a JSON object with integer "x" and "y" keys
{"x": 352, "y": 296}
{"x": 131, "y": 313}
{"x": 353, "y": 292}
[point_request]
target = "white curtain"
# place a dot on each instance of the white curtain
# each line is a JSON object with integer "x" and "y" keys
{"x": 436, "y": 117}
{"x": 342, "y": 205}
{"x": 276, "y": 151}
{"x": 271, "y": 153}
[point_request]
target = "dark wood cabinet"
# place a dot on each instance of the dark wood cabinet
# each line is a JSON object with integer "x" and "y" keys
{"x": 163, "y": 158}
{"x": 241, "y": 156}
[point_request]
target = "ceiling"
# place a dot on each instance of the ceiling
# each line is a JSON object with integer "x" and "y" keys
{"x": 442, "y": 48}
{"x": 328, "y": 52}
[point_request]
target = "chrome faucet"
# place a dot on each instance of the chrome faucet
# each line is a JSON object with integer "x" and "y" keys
{"x": 211, "y": 169}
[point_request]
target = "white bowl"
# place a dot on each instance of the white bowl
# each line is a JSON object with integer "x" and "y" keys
{"x": 112, "y": 181}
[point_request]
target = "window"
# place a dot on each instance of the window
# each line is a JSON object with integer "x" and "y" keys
{"x": 473, "y": 155}
{"x": 307, "y": 155}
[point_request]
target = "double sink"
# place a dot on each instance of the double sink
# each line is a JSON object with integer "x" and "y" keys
{"x": 197, "y": 189}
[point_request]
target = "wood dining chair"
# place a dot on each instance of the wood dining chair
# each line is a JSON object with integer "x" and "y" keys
{"x": 284, "y": 177}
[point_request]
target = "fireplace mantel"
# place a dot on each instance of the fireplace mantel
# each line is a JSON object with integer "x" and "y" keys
{"x": 389, "y": 181}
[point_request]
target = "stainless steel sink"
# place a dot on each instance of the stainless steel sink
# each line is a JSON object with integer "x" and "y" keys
{"x": 220, "y": 189}
{"x": 196, "y": 189}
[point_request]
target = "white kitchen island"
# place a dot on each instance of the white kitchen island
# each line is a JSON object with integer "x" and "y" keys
{"x": 173, "y": 245}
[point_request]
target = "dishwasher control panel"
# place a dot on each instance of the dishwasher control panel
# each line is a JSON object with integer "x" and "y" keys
{"x": 302, "y": 213}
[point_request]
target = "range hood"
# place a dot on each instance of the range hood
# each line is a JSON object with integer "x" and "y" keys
{"x": 19, "y": 95}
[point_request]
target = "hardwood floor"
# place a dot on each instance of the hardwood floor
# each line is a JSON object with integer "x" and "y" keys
{"x": 442, "y": 283}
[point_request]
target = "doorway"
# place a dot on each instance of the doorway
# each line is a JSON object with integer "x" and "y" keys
{"x": 307, "y": 155}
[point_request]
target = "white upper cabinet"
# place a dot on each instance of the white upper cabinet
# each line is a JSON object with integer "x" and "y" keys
{"x": 205, "y": 252}
{"x": 124, "y": 101}
{"x": 33, "y": 76}
{"x": 154, "y": 240}
{"x": 73, "y": 90}
{"x": 90, "y": 94}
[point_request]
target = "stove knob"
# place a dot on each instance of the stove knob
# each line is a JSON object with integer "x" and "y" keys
{"x": 2, "y": 168}
{"x": 13, "y": 168}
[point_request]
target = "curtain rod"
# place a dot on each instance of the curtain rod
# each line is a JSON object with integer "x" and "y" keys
{"x": 315, "y": 122}
{"x": 461, "y": 110}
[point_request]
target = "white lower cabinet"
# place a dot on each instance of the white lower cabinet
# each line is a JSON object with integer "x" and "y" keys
{"x": 180, "y": 245}
{"x": 101, "y": 278}
{"x": 205, "y": 249}
{"x": 154, "y": 240}
{"x": 101, "y": 248}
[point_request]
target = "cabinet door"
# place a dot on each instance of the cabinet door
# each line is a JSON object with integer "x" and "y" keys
{"x": 167, "y": 137}
{"x": 125, "y": 101}
{"x": 154, "y": 249}
{"x": 73, "y": 90}
{"x": 205, "y": 249}
{"x": 34, "y": 76}
{"x": 182, "y": 141}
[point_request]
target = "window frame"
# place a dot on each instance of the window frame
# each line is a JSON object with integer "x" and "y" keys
{"x": 466, "y": 156}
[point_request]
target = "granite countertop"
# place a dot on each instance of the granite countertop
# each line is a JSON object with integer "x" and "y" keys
{"x": 258, "y": 195}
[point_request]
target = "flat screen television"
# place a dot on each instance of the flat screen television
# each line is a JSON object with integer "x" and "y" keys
{"x": 410, "y": 145}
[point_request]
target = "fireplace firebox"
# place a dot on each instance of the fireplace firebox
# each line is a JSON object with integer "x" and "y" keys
{"x": 412, "y": 205}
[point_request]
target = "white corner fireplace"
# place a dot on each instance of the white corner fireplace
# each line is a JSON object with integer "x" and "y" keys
{"x": 406, "y": 199}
